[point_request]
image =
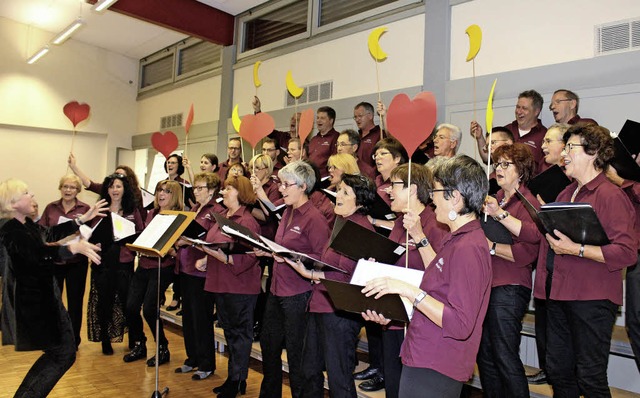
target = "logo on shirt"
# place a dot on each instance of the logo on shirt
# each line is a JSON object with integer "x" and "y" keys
{"x": 296, "y": 229}
{"x": 531, "y": 144}
{"x": 439, "y": 264}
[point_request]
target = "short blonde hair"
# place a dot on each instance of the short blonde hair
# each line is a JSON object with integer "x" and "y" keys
{"x": 345, "y": 162}
{"x": 261, "y": 161}
{"x": 176, "y": 195}
{"x": 73, "y": 178}
{"x": 10, "y": 192}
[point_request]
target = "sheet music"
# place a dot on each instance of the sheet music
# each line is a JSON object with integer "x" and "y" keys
{"x": 147, "y": 197}
{"x": 154, "y": 231}
{"x": 63, "y": 219}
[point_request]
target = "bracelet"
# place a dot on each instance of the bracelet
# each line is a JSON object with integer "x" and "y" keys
{"x": 373, "y": 221}
{"x": 581, "y": 253}
{"x": 502, "y": 216}
{"x": 79, "y": 222}
{"x": 311, "y": 276}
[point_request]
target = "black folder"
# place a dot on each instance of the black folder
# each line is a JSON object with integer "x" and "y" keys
{"x": 549, "y": 183}
{"x": 624, "y": 164}
{"x": 194, "y": 230}
{"x": 630, "y": 136}
{"x": 381, "y": 210}
{"x": 348, "y": 297}
{"x": 356, "y": 242}
{"x": 274, "y": 211}
{"x": 495, "y": 231}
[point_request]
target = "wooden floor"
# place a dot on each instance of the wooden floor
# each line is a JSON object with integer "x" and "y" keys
{"x": 95, "y": 374}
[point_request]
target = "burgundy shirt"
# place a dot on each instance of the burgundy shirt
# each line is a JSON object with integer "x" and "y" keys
{"x": 304, "y": 230}
{"x": 578, "y": 119}
{"x": 460, "y": 278}
{"x": 366, "y": 169}
{"x": 188, "y": 255}
{"x": 244, "y": 275}
{"x": 321, "y": 147}
{"x": 367, "y": 146}
{"x": 582, "y": 279}
{"x": 320, "y": 301}
{"x": 325, "y": 205}
{"x": 533, "y": 139}
{"x": 152, "y": 262}
{"x": 51, "y": 216}
{"x": 632, "y": 189}
{"x": 268, "y": 228}
{"x": 433, "y": 230}
{"x": 382, "y": 189}
{"x": 524, "y": 252}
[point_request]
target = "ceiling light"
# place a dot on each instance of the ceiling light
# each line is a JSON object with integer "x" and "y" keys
{"x": 103, "y": 5}
{"x": 38, "y": 55}
{"x": 68, "y": 31}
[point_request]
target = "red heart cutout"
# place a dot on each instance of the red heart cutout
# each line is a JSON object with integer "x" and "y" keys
{"x": 76, "y": 112}
{"x": 412, "y": 121}
{"x": 256, "y": 127}
{"x": 165, "y": 143}
{"x": 306, "y": 124}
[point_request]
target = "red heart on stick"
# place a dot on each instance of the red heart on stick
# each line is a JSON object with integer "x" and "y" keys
{"x": 256, "y": 127}
{"x": 306, "y": 124}
{"x": 412, "y": 121}
{"x": 76, "y": 112}
{"x": 165, "y": 143}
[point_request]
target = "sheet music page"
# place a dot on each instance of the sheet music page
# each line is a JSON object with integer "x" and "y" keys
{"x": 368, "y": 270}
{"x": 152, "y": 233}
{"x": 122, "y": 227}
{"x": 232, "y": 232}
{"x": 147, "y": 197}
{"x": 63, "y": 219}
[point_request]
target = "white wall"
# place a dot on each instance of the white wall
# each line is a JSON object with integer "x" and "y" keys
{"x": 525, "y": 34}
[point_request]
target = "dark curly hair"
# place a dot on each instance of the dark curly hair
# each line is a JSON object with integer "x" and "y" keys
{"x": 522, "y": 158}
{"x": 364, "y": 188}
{"x": 128, "y": 199}
{"x": 596, "y": 140}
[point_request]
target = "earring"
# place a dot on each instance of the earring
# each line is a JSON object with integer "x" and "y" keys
{"x": 453, "y": 215}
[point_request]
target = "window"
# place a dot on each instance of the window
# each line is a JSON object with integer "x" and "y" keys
{"x": 335, "y": 10}
{"x": 276, "y": 25}
{"x": 198, "y": 57}
{"x": 157, "y": 70}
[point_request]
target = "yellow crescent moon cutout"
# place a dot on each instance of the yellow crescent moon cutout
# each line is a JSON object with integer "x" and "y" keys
{"x": 374, "y": 44}
{"x": 256, "y": 78}
{"x": 235, "y": 119}
{"x": 475, "y": 39}
{"x": 489, "y": 116}
{"x": 293, "y": 88}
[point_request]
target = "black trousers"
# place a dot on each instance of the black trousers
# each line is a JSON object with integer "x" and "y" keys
{"x": 501, "y": 370}
{"x": 144, "y": 293}
{"x": 374, "y": 344}
{"x": 237, "y": 310}
{"x": 283, "y": 326}
{"x": 578, "y": 342}
{"x": 632, "y": 309}
{"x": 392, "y": 340}
{"x": 330, "y": 343}
{"x": 541, "y": 332}
{"x": 422, "y": 382}
{"x": 110, "y": 279}
{"x": 72, "y": 279}
{"x": 53, "y": 364}
{"x": 197, "y": 323}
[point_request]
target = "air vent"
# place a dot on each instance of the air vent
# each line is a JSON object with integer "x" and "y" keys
{"x": 615, "y": 37}
{"x": 167, "y": 122}
{"x": 312, "y": 93}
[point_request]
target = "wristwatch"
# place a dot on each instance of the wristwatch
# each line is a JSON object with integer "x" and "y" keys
{"x": 492, "y": 251}
{"x": 419, "y": 298}
{"x": 424, "y": 242}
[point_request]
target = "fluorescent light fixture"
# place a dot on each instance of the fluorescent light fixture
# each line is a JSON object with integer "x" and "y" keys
{"x": 103, "y": 5}
{"x": 32, "y": 59}
{"x": 68, "y": 31}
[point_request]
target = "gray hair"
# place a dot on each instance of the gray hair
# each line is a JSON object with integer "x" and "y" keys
{"x": 456, "y": 133}
{"x": 301, "y": 172}
{"x": 561, "y": 127}
{"x": 465, "y": 175}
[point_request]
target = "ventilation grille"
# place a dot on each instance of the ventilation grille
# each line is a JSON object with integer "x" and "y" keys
{"x": 617, "y": 37}
{"x": 312, "y": 93}
{"x": 167, "y": 122}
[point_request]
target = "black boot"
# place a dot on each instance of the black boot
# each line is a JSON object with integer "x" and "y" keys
{"x": 164, "y": 356}
{"x": 233, "y": 389}
{"x": 106, "y": 347}
{"x": 139, "y": 351}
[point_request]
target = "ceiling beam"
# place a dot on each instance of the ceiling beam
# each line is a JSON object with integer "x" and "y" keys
{"x": 185, "y": 16}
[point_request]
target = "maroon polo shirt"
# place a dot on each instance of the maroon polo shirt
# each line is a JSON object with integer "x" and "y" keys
{"x": 460, "y": 278}
{"x": 52, "y": 213}
{"x": 382, "y": 189}
{"x": 244, "y": 275}
{"x": 320, "y": 301}
{"x": 533, "y": 139}
{"x": 578, "y": 119}
{"x": 321, "y": 147}
{"x": 582, "y": 279}
{"x": 367, "y": 145}
{"x": 517, "y": 272}
{"x": 325, "y": 205}
{"x": 304, "y": 230}
{"x": 152, "y": 262}
{"x": 433, "y": 230}
{"x": 188, "y": 255}
{"x": 366, "y": 169}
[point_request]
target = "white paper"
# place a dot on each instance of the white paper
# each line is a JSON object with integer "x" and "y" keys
{"x": 232, "y": 232}
{"x": 154, "y": 231}
{"x": 147, "y": 197}
{"x": 368, "y": 270}
{"x": 122, "y": 227}
{"x": 63, "y": 219}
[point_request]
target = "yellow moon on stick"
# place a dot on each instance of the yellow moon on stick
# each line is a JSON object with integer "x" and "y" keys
{"x": 256, "y": 78}
{"x": 489, "y": 115}
{"x": 293, "y": 88}
{"x": 475, "y": 39}
{"x": 374, "y": 44}
{"x": 235, "y": 119}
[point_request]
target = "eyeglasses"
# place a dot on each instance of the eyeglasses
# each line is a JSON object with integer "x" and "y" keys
{"x": 342, "y": 144}
{"x": 356, "y": 117}
{"x": 165, "y": 190}
{"x": 549, "y": 141}
{"x": 69, "y": 187}
{"x": 198, "y": 188}
{"x": 380, "y": 154}
{"x": 231, "y": 148}
{"x": 173, "y": 162}
{"x": 558, "y": 101}
{"x": 431, "y": 191}
{"x": 571, "y": 145}
{"x": 331, "y": 168}
{"x": 398, "y": 183}
{"x": 286, "y": 185}
{"x": 268, "y": 149}
{"x": 504, "y": 165}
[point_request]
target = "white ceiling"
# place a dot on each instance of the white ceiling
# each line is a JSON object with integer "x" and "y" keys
{"x": 110, "y": 30}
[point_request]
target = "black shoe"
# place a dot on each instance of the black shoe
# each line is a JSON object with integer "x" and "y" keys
{"x": 233, "y": 389}
{"x": 139, "y": 351}
{"x": 179, "y": 313}
{"x": 257, "y": 329}
{"x": 374, "y": 384}
{"x": 184, "y": 369}
{"x": 201, "y": 374}
{"x": 174, "y": 307}
{"x": 366, "y": 374}
{"x": 164, "y": 355}
{"x": 538, "y": 378}
{"x": 106, "y": 348}
{"x": 221, "y": 387}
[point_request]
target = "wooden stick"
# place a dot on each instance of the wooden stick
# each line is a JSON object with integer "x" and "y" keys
{"x": 488, "y": 165}
{"x": 475, "y": 147}
{"x": 406, "y": 258}
{"x": 379, "y": 100}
